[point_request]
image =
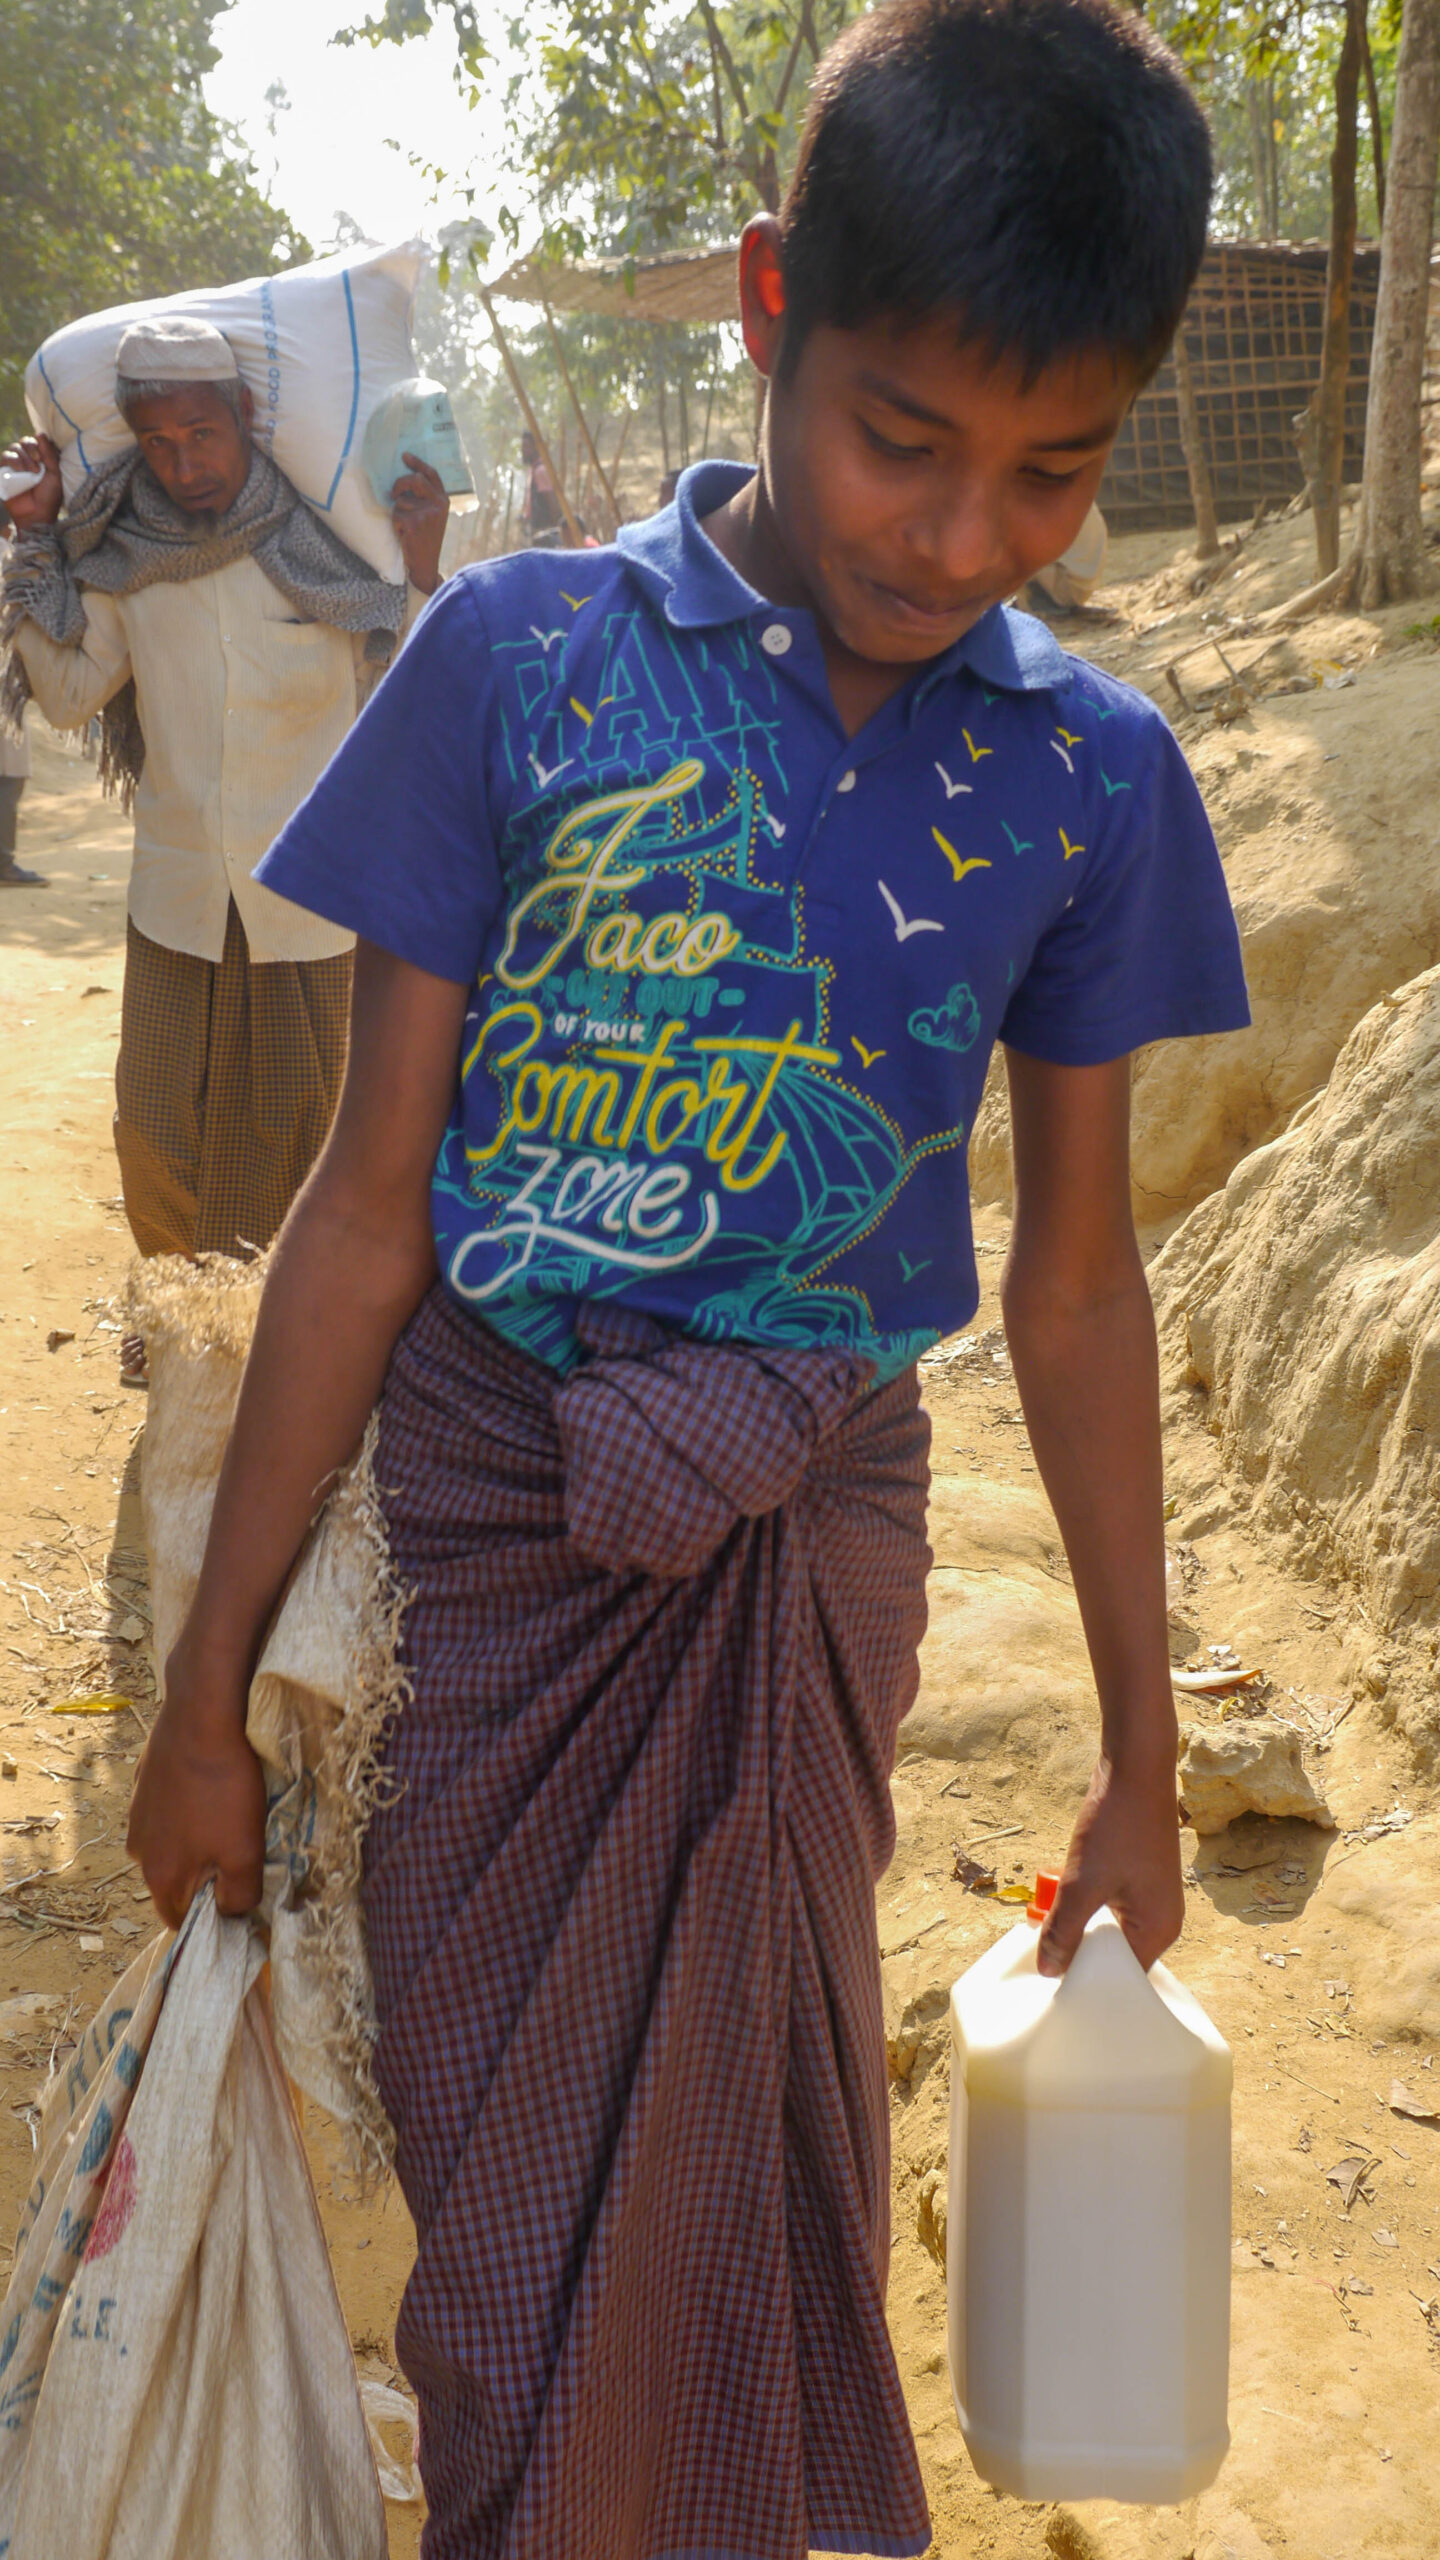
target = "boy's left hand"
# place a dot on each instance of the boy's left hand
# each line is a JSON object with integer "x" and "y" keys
{"x": 1125, "y": 1851}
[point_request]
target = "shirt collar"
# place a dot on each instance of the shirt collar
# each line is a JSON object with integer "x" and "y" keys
{"x": 696, "y": 588}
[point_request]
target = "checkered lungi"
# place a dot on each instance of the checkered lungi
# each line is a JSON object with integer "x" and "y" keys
{"x": 225, "y": 1087}
{"x": 622, "y": 1922}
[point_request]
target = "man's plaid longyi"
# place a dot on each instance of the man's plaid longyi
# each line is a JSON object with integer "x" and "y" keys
{"x": 226, "y": 1083}
{"x": 622, "y": 1923}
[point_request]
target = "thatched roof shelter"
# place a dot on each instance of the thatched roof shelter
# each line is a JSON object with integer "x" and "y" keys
{"x": 697, "y": 285}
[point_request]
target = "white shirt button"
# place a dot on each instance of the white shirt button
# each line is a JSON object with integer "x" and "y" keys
{"x": 846, "y": 781}
{"x": 775, "y": 639}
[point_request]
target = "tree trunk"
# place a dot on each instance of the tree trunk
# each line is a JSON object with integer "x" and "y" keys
{"x": 1328, "y": 402}
{"x": 1259, "y": 158}
{"x": 1202, "y": 496}
{"x": 1390, "y": 563}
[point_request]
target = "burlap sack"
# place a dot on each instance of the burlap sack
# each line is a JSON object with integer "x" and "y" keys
{"x": 175, "y": 2378}
{"x": 326, "y": 1682}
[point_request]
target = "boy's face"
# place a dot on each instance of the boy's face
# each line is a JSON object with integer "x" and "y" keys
{"x": 913, "y": 482}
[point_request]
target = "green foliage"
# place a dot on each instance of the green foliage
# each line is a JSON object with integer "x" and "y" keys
{"x": 116, "y": 182}
{"x": 638, "y": 126}
{"x": 1265, "y": 71}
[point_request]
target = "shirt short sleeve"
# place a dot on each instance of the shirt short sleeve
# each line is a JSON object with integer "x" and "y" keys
{"x": 1147, "y": 948}
{"x": 397, "y": 840}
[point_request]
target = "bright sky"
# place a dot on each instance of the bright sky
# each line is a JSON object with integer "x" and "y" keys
{"x": 329, "y": 150}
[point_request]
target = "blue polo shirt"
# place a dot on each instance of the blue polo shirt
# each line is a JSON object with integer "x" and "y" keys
{"x": 735, "y": 977}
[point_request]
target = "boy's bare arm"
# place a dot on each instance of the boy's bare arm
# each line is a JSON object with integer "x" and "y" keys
{"x": 353, "y": 1261}
{"x": 1082, "y": 1338}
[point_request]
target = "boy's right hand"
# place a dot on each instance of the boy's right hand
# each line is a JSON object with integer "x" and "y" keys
{"x": 42, "y": 504}
{"x": 198, "y": 1809}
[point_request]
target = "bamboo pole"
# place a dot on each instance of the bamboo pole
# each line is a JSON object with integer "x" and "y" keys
{"x": 517, "y": 385}
{"x": 598, "y": 465}
{"x": 1192, "y": 438}
{"x": 625, "y": 425}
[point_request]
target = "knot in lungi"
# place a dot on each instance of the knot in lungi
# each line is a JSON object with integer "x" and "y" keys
{"x": 667, "y": 1443}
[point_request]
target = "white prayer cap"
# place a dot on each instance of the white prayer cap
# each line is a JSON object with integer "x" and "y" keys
{"x": 172, "y": 348}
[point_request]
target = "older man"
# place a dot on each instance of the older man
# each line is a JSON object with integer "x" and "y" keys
{"x": 226, "y": 638}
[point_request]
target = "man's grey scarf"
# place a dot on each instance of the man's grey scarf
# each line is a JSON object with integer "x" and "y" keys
{"x": 123, "y": 533}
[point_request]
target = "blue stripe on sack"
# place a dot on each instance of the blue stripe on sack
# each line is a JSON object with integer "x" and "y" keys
{"x": 63, "y": 411}
{"x": 355, "y": 394}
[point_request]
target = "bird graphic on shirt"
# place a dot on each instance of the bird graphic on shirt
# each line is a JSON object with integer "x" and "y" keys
{"x": 975, "y": 752}
{"x": 867, "y": 1057}
{"x": 546, "y": 773}
{"x": 776, "y": 827}
{"x": 1111, "y": 787}
{"x": 906, "y": 925}
{"x": 574, "y": 602}
{"x": 545, "y": 637}
{"x": 951, "y": 787}
{"x": 957, "y": 861}
{"x": 912, "y": 1270}
{"x": 587, "y": 716}
{"x": 1069, "y": 847}
{"x": 1072, "y": 737}
{"x": 1064, "y": 755}
{"x": 1017, "y": 844}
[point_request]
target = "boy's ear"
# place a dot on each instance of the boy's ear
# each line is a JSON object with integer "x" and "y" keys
{"x": 762, "y": 292}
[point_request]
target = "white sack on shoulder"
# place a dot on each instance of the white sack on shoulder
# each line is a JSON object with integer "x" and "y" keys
{"x": 320, "y": 347}
{"x": 179, "y": 2380}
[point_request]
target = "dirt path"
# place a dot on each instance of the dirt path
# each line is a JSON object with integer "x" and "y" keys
{"x": 1334, "y": 2358}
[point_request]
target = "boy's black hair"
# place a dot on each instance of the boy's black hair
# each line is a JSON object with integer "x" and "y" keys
{"x": 1039, "y": 167}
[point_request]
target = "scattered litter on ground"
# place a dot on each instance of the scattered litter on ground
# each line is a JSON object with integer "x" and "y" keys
{"x": 975, "y": 1877}
{"x": 1403, "y": 2102}
{"x": 1350, "y": 2176}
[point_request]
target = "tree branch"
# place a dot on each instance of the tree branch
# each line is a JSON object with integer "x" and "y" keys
{"x": 804, "y": 34}
{"x": 719, "y": 46}
{"x": 1372, "y": 101}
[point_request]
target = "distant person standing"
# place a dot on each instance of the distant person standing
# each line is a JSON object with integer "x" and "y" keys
{"x": 1068, "y": 583}
{"x": 227, "y": 639}
{"x": 541, "y": 512}
{"x": 14, "y": 774}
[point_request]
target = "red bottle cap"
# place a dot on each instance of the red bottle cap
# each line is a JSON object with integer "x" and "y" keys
{"x": 1046, "y": 1888}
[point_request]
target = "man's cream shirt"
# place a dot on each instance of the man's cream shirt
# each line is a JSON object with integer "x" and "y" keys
{"x": 242, "y": 704}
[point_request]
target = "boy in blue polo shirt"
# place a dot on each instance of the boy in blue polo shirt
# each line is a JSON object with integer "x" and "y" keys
{"x": 695, "y": 881}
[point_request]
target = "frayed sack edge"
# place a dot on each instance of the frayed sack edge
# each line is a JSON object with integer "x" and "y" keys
{"x": 210, "y": 1305}
{"x": 352, "y": 1783}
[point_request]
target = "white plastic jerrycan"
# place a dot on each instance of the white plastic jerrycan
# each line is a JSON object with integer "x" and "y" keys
{"x": 1089, "y": 2223}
